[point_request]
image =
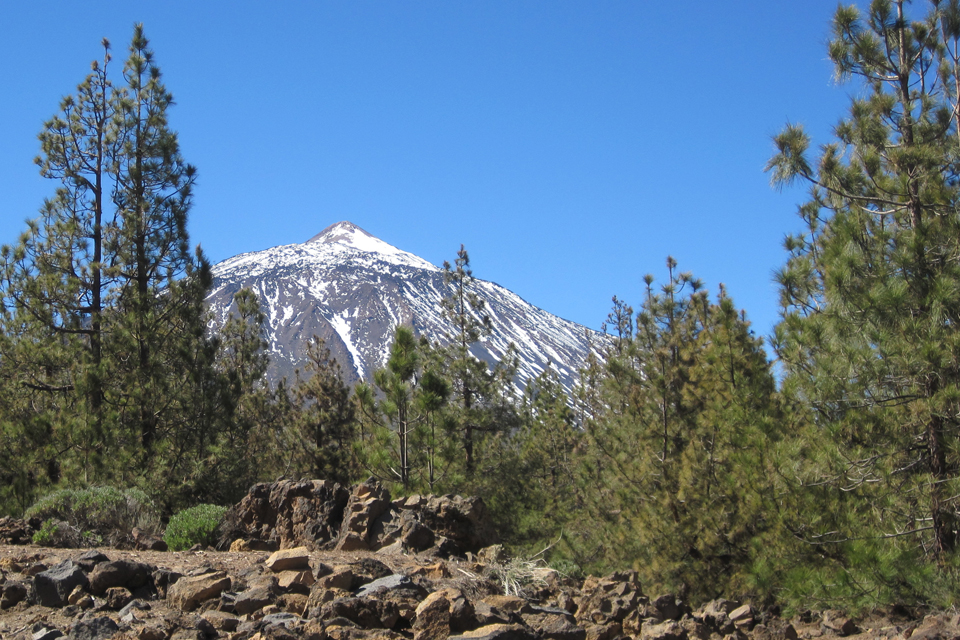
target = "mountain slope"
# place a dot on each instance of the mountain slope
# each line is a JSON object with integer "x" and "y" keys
{"x": 353, "y": 289}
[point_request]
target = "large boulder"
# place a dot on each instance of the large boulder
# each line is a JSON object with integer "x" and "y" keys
{"x": 616, "y": 598}
{"x": 187, "y": 593}
{"x": 367, "y": 503}
{"x": 450, "y": 525}
{"x": 463, "y": 521}
{"x": 119, "y": 573}
{"x": 320, "y": 514}
{"x": 287, "y": 513}
{"x": 52, "y": 587}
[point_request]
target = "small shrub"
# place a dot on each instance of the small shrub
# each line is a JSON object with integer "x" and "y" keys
{"x": 103, "y": 513}
{"x": 57, "y": 533}
{"x": 520, "y": 575}
{"x": 196, "y": 525}
{"x": 568, "y": 568}
{"x": 45, "y": 535}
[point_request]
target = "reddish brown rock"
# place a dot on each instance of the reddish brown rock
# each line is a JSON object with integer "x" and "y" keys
{"x": 295, "y": 603}
{"x": 118, "y": 573}
{"x": 287, "y": 514}
{"x": 187, "y": 593}
{"x": 300, "y": 581}
{"x": 609, "y": 599}
{"x": 295, "y": 559}
{"x": 339, "y": 579}
{"x": 252, "y": 600}
{"x": 12, "y": 593}
{"x": 486, "y": 614}
{"x": 432, "y": 618}
{"x": 510, "y": 604}
{"x": 670, "y": 630}
{"x": 463, "y": 521}
{"x": 554, "y": 624}
{"x": 116, "y": 598}
{"x": 352, "y": 541}
{"x": 498, "y": 632}
{"x": 774, "y": 630}
{"x": 837, "y": 623}
{"x": 366, "y": 613}
{"x": 144, "y": 541}
{"x": 367, "y": 503}
{"x": 15, "y": 531}
{"x": 221, "y": 620}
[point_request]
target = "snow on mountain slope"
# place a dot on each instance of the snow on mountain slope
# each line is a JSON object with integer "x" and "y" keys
{"x": 352, "y": 289}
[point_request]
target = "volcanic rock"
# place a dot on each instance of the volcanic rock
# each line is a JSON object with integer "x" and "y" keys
{"x": 187, "y": 593}
{"x": 118, "y": 573}
{"x": 52, "y": 587}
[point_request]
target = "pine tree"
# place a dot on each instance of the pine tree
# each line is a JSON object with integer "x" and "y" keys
{"x": 153, "y": 193}
{"x": 243, "y": 358}
{"x": 412, "y": 399}
{"x": 248, "y": 444}
{"x": 548, "y": 444}
{"x": 103, "y": 320}
{"x": 326, "y": 429}
{"x": 681, "y": 435}
{"x": 483, "y": 405}
{"x": 870, "y": 296}
{"x": 56, "y": 279}
{"x": 464, "y": 309}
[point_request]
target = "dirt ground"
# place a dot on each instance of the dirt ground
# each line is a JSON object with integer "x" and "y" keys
{"x": 21, "y": 562}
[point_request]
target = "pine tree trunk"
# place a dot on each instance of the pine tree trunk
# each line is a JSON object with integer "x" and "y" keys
{"x": 468, "y": 431}
{"x": 944, "y": 540}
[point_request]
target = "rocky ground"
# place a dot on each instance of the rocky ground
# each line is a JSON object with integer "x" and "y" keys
{"x": 371, "y": 584}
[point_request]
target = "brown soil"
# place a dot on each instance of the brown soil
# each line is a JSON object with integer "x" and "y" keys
{"x": 23, "y": 616}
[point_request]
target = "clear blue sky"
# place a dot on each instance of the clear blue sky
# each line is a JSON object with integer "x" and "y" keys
{"x": 571, "y": 146}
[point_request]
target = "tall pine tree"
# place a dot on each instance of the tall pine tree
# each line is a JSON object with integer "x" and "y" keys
{"x": 325, "y": 421}
{"x": 464, "y": 310}
{"x": 681, "y": 427}
{"x": 102, "y": 301}
{"x": 871, "y": 301}
{"x": 56, "y": 280}
{"x": 153, "y": 261}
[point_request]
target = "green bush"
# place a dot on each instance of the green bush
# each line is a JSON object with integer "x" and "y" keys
{"x": 102, "y": 513}
{"x": 196, "y": 525}
{"x": 45, "y": 536}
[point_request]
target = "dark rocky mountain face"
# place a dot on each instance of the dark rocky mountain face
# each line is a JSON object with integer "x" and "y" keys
{"x": 352, "y": 290}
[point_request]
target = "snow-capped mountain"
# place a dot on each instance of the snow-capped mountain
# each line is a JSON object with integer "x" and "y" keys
{"x": 353, "y": 289}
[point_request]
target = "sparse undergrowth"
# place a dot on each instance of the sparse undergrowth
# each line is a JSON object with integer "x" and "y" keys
{"x": 92, "y": 516}
{"x": 517, "y": 575}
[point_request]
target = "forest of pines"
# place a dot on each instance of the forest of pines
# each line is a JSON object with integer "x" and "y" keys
{"x": 681, "y": 454}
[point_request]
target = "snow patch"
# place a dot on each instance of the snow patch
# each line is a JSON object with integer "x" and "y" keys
{"x": 342, "y": 327}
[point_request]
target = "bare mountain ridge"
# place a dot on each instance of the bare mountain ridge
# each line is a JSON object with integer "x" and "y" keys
{"x": 352, "y": 289}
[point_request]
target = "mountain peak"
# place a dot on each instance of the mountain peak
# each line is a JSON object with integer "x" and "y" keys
{"x": 347, "y": 238}
{"x": 343, "y": 232}
{"x": 346, "y": 235}
{"x": 352, "y": 290}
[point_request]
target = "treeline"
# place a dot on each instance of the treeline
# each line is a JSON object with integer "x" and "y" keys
{"x": 680, "y": 453}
